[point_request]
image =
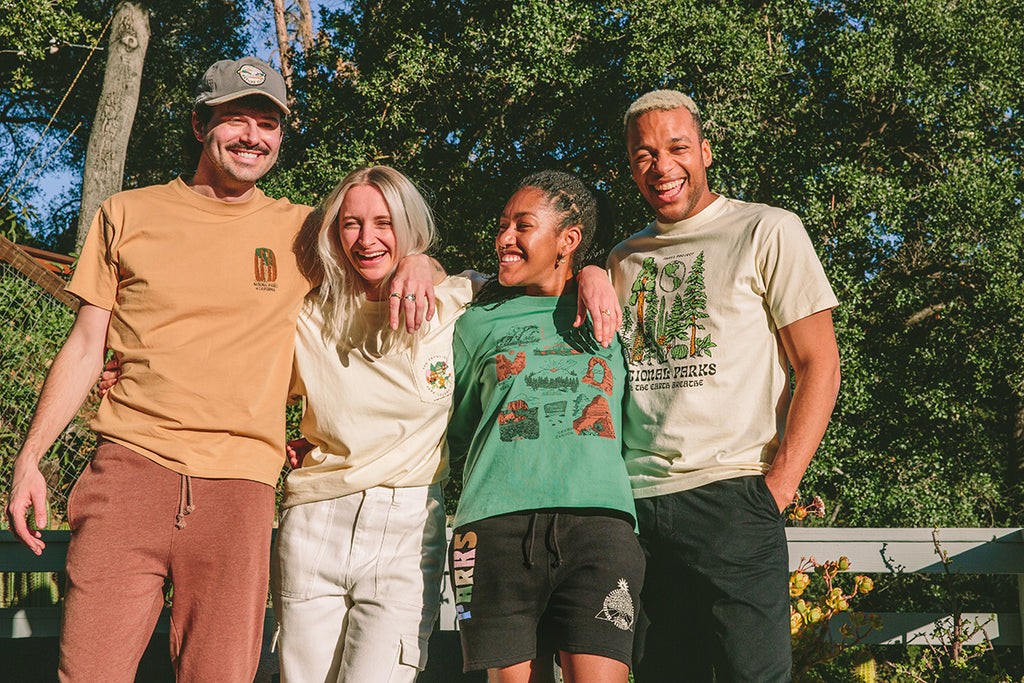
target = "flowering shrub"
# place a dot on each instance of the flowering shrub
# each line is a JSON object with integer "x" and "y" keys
{"x": 817, "y": 595}
{"x": 816, "y": 599}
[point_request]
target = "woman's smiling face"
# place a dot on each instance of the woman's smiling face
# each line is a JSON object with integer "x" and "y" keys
{"x": 529, "y": 245}
{"x": 367, "y": 236}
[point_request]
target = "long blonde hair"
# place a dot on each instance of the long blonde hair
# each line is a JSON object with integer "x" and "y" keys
{"x": 341, "y": 293}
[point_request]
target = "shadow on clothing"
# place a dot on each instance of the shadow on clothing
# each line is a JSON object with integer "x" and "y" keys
{"x": 34, "y": 660}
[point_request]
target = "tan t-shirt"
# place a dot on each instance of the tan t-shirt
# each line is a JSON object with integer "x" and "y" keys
{"x": 375, "y": 420}
{"x": 703, "y": 299}
{"x": 203, "y": 297}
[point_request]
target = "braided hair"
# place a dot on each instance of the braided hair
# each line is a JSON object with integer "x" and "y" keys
{"x": 576, "y": 204}
{"x": 571, "y": 200}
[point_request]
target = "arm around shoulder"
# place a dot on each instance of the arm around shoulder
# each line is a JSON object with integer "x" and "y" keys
{"x": 597, "y": 296}
{"x": 412, "y": 290}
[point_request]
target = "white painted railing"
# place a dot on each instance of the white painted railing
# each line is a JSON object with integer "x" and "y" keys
{"x": 871, "y": 551}
{"x": 913, "y": 551}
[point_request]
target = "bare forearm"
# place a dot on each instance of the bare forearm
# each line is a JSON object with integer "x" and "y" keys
{"x": 810, "y": 346}
{"x": 808, "y": 417}
{"x": 597, "y": 296}
{"x": 71, "y": 376}
{"x": 439, "y": 272}
{"x": 412, "y": 291}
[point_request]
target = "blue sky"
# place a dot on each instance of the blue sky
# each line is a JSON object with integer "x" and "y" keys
{"x": 51, "y": 184}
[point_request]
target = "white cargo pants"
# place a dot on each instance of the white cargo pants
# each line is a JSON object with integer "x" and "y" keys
{"x": 356, "y": 584}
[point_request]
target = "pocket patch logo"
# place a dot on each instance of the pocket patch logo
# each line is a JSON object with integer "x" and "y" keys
{"x": 438, "y": 375}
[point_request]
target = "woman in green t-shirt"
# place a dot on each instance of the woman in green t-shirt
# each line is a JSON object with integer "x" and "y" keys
{"x": 544, "y": 556}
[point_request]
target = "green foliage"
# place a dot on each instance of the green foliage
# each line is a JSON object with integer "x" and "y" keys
{"x": 186, "y": 37}
{"x": 14, "y": 217}
{"x": 921, "y": 234}
{"x": 949, "y": 656}
{"x": 926, "y": 664}
{"x": 819, "y": 592}
{"x": 30, "y": 30}
{"x": 893, "y": 129}
{"x": 33, "y": 329}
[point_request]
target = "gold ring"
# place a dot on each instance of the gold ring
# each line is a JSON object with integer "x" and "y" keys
{"x": 606, "y": 311}
{"x": 396, "y": 295}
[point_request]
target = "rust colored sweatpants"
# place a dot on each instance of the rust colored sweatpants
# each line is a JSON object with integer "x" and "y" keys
{"x": 134, "y": 524}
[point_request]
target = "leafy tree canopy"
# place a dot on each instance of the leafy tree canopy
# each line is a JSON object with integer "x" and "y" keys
{"x": 31, "y": 30}
{"x": 186, "y": 38}
{"x": 893, "y": 128}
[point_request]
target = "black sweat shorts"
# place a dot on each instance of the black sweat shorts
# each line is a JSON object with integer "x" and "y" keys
{"x": 546, "y": 581}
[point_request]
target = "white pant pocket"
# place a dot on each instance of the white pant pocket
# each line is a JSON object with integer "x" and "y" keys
{"x": 414, "y": 652}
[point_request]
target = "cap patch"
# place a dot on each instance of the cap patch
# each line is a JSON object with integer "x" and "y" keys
{"x": 253, "y": 75}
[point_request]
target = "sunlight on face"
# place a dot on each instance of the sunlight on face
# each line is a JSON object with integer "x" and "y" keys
{"x": 367, "y": 236}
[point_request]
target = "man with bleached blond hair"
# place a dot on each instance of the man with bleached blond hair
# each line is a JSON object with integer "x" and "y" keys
{"x": 721, "y": 297}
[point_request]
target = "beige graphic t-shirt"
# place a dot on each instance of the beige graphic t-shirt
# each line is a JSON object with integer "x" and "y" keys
{"x": 375, "y": 420}
{"x": 703, "y": 299}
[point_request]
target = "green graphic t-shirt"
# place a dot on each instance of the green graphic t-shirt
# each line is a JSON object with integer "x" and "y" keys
{"x": 538, "y": 411}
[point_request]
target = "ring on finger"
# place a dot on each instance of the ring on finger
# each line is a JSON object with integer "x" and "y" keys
{"x": 606, "y": 311}
{"x": 396, "y": 295}
{"x": 409, "y": 297}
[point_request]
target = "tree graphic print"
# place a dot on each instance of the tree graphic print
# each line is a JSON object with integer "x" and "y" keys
{"x": 667, "y": 323}
{"x": 677, "y": 329}
{"x": 694, "y": 308}
{"x": 642, "y": 290}
{"x": 655, "y": 336}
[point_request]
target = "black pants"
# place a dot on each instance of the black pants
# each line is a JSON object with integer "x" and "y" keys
{"x": 716, "y": 591}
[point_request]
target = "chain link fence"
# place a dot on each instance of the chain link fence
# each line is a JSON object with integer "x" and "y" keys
{"x": 35, "y": 317}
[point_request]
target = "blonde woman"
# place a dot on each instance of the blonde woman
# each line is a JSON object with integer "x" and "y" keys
{"x": 357, "y": 567}
{"x": 356, "y": 572}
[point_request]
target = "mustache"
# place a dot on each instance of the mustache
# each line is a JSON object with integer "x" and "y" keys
{"x": 262, "y": 149}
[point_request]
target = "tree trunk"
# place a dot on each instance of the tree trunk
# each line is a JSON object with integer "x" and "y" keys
{"x": 108, "y": 142}
{"x": 284, "y": 48}
{"x": 305, "y": 25}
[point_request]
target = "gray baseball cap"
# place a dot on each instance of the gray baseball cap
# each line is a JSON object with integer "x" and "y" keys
{"x": 230, "y": 79}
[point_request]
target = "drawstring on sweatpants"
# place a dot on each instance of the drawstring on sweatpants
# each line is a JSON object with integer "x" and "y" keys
{"x": 531, "y": 531}
{"x": 184, "y": 502}
{"x": 550, "y": 541}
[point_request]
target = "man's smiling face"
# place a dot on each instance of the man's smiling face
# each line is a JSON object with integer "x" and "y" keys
{"x": 669, "y": 163}
{"x": 241, "y": 141}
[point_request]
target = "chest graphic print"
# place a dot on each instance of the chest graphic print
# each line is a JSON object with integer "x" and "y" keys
{"x": 665, "y": 315}
{"x": 551, "y": 388}
{"x": 265, "y": 269}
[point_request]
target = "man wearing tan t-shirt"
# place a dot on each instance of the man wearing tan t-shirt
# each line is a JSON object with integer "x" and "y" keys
{"x": 194, "y": 285}
{"x": 720, "y": 296}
